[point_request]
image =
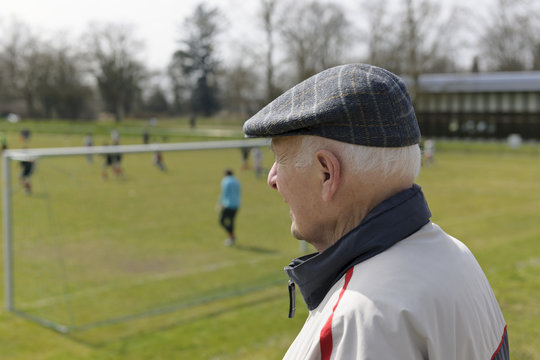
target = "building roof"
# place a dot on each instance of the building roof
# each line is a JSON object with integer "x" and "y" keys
{"x": 526, "y": 81}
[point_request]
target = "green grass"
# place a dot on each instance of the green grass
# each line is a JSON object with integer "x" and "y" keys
{"x": 491, "y": 201}
{"x": 149, "y": 244}
{"x": 131, "y": 130}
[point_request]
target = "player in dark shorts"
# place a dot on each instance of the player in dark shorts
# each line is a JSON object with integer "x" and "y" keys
{"x": 109, "y": 161}
{"x": 27, "y": 169}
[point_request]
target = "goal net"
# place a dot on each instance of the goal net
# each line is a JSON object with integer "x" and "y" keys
{"x": 88, "y": 247}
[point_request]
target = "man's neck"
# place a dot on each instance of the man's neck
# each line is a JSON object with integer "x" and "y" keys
{"x": 350, "y": 207}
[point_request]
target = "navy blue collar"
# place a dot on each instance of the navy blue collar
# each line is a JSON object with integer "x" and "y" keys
{"x": 389, "y": 222}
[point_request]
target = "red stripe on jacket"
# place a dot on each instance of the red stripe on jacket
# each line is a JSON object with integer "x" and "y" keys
{"x": 325, "y": 340}
{"x": 500, "y": 344}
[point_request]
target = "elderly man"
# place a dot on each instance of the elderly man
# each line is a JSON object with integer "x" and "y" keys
{"x": 385, "y": 282}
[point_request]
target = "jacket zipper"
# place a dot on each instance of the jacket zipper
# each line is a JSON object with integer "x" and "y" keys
{"x": 292, "y": 299}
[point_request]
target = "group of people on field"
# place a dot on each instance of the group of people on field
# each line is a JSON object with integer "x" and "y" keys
{"x": 113, "y": 160}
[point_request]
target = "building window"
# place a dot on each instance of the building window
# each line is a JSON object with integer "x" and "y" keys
{"x": 444, "y": 102}
{"x": 534, "y": 100}
{"x": 492, "y": 104}
{"x": 506, "y": 100}
{"x": 455, "y": 102}
{"x": 468, "y": 102}
{"x": 519, "y": 103}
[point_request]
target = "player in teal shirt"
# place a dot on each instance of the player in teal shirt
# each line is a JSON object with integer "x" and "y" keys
{"x": 229, "y": 201}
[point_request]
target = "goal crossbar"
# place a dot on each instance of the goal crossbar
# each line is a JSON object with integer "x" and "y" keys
{"x": 24, "y": 154}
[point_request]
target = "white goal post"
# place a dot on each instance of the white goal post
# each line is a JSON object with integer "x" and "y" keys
{"x": 24, "y": 154}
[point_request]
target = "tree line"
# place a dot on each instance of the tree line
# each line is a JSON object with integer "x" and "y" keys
{"x": 103, "y": 74}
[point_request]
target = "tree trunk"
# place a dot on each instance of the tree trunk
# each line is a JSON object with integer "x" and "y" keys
{"x": 119, "y": 113}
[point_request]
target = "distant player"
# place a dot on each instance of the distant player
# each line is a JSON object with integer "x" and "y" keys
{"x": 158, "y": 161}
{"x": 108, "y": 163}
{"x": 3, "y": 140}
{"x": 117, "y": 165}
{"x": 257, "y": 161}
{"x": 115, "y": 137}
{"x": 89, "y": 142}
{"x": 116, "y": 157}
{"x": 245, "y": 158}
{"x": 146, "y": 136}
{"x": 229, "y": 203}
{"x": 27, "y": 169}
{"x": 25, "y": 135}
{"x": 429, "y": 152}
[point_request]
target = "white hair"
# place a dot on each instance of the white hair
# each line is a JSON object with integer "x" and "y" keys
{"x": 401, "y": 162}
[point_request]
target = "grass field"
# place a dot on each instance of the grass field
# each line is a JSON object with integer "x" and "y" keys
{"x": 137, "y": 267}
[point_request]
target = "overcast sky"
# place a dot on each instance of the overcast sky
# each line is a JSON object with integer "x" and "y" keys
{"x": 156, "y": 22}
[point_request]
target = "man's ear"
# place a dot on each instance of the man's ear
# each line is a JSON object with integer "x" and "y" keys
{"x": 330, "y": 170}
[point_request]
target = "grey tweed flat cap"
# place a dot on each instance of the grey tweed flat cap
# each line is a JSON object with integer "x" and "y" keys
{"x": 355, "y": 103}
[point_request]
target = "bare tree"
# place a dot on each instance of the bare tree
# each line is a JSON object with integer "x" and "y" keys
{"x": 313, "y": 35}
{"x": 157, "y": 103}
{"x": 536, "y": 56}
{"x": 196, "y": 59}
{"x": 19, "y": 62}
{"x": 179, "y": 87}
{"x": 119, "y": 74}
{"x": 241, "y": 97}
{"x": 61, "y": 89}
{"x": 414, "y": 40}
{"x": 509, "y": 41}
{"x": 268, "y": 15}
{"x": 381, "y": 35}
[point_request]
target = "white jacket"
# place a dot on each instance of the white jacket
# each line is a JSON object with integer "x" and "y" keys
{"x": 425, "y": 297}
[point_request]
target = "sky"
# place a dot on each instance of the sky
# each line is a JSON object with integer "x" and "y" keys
{"x": 156, "y": 22}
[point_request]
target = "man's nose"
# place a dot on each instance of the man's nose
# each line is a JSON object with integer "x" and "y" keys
{"x": 272, "y": 176}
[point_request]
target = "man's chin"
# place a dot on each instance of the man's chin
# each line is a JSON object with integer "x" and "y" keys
{"x": 296, "y": 234}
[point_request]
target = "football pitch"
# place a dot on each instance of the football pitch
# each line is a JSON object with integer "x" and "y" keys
{"x": 135, "y": 267}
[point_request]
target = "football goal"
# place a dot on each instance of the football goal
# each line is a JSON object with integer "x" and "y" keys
{"x": 88, "y": 245}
